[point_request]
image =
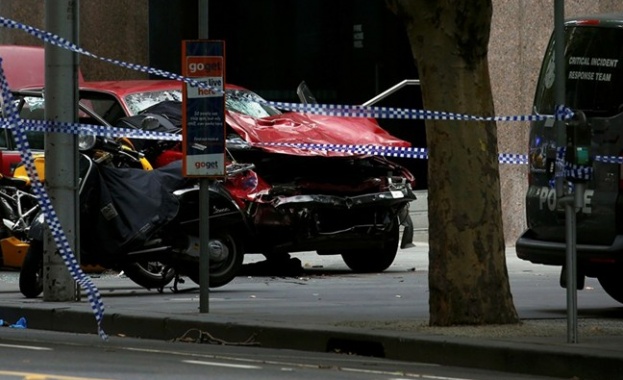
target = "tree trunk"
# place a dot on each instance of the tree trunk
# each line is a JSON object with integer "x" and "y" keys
{"x": 468, "y": 280}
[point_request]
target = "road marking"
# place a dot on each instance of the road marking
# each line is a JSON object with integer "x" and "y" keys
{"x": 406, "y": 375}
{"x": 215, "y": 364}
{"x": 45, "y": 376}
{"x": 429, "y": 377}
{"x": 35, "y": 348}
{"x": 289, "y": 365}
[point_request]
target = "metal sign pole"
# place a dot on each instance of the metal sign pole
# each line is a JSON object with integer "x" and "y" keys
{"x": 204, "y": 200}
{"x": 203, "y": 122}
{"x": 569, "y": 200}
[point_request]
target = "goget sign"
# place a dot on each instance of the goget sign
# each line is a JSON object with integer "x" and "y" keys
{"x": 203, "y": 109}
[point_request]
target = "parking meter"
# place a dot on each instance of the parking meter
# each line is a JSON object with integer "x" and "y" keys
{"x": 550, "y": 162}
{"x": 578, "y": 152}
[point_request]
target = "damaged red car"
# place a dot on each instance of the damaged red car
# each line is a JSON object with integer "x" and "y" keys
{"x": 298, "y": 196}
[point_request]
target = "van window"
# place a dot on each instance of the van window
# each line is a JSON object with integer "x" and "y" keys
{"x": 594, "y": 72}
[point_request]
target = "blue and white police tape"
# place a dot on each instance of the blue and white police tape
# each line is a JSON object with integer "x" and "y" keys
{"x": 89, "y": 129}
{"x": 562, "y": 113}
{"x": 578, "y": 172}
{"x": 405, "y": 152}
{"x": 9, "y": 108}
{"x": 388, "y": 151}
{"x": 30, "y": 125}
{"x": 609, "y": 159}
{"x": 321, "y": 109}
{"x": 422, "y": 153}
{"x": 61, "y": 42}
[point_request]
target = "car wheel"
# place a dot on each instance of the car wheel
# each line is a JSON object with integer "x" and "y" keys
{"x": 149, "y": 275}
{"x": 226, "y": 257}
{"x": 613, "y": 285}
{"x": 374, "y": 260}
{"x": 31, "y": 273}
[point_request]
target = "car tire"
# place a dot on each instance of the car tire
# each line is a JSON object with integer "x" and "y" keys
{"x": 31, "y": 273}
{"x": 225, "y": 270}
{"x": 613, "y": 285}
{"x": 374, "y": 260}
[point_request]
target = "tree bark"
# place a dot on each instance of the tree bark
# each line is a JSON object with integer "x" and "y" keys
{"x": 468, "y": 279}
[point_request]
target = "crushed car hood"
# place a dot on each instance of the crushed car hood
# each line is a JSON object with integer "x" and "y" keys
{"x": 299, "y": 128}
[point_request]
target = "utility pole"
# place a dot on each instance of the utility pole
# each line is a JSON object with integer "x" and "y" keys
{"x": 61, "y": 105}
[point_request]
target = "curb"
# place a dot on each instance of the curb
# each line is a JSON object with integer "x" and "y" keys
{"x": 499, "y": 355}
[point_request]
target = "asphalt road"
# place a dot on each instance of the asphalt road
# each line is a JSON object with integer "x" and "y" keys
{"x": 36, "y": 354}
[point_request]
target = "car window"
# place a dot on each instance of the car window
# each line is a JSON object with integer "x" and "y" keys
{"x": 594, "y": 72}
{"x": 246, "y": 102}
{"x": 33, "y": 108}
{"x": 103, "y": 104}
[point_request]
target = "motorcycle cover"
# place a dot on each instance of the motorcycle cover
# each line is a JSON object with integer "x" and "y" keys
{"x": 169, "y": 109}
{"x": 121, "y": 208}
{"x": 169, "y": 116}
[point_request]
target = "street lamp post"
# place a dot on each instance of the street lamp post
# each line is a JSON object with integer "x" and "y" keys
{"x": 61, "y": 105}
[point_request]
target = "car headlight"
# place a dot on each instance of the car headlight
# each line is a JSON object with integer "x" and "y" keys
{"x": 86, "y": 142}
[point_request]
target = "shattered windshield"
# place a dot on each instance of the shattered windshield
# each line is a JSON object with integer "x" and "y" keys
{"x": 139, "y": 101}
{"x": 31, "y": 108}
{"x": 241, "y": 101}
{"x": 247, "y": 103}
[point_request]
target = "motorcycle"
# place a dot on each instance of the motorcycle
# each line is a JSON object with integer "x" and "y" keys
{"x": 144, "y": 223}
{"x": 18, "y": 206}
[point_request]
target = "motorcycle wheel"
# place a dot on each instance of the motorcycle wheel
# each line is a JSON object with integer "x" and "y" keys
{"x": 226, "y": 257}
{"x": 371, "y": 260}
{"x": 31, "y": 273}
{"x": 149, "y": 275}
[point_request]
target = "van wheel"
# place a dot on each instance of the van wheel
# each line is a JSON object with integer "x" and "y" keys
{"x": 612, "y": 284}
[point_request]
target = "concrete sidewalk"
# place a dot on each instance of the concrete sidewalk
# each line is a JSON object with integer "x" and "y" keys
{"x": 327, "y": 308}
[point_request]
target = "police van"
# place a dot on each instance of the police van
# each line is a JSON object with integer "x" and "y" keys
{"x": 594, "y": 88}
